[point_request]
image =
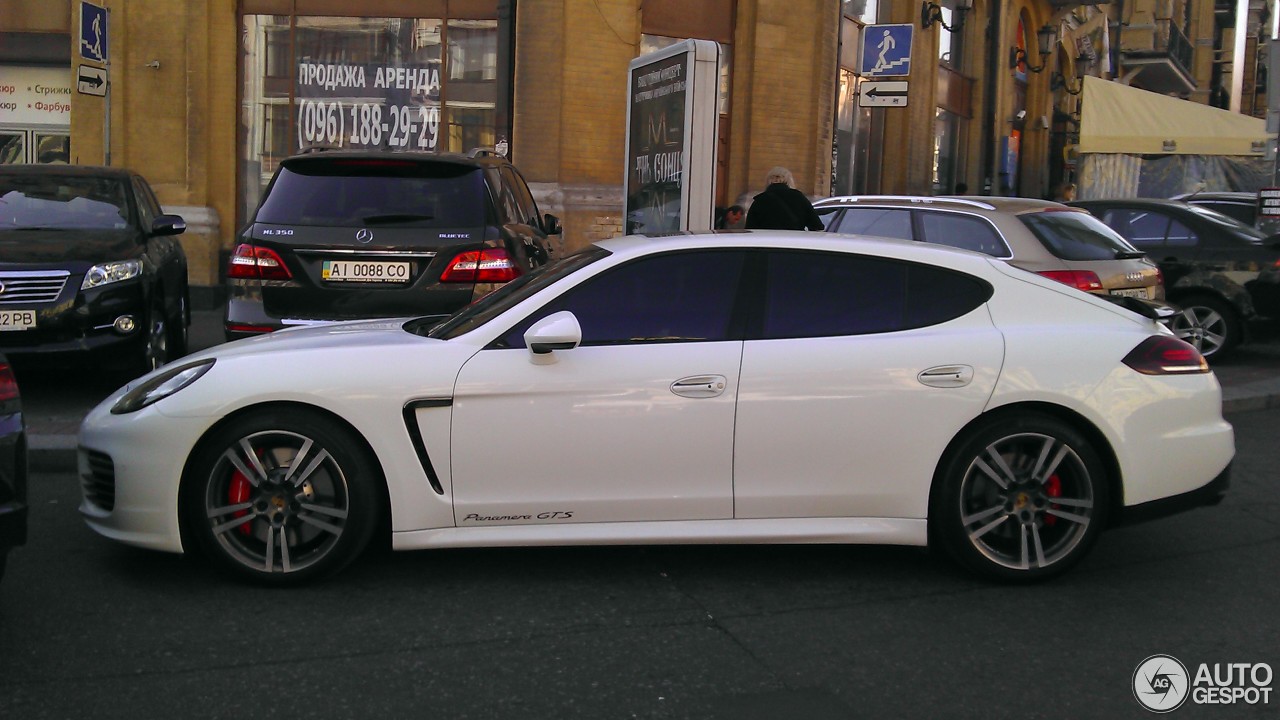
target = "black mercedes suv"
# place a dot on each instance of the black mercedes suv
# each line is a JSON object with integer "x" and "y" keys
{"x": 345, "y": 235}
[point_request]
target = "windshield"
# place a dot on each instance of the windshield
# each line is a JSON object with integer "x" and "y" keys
{"x": 509, "y": 295}
{"x": 52, "y": 202}
{"x": 361, "y": 192}
{"x": 1075, "y": 235}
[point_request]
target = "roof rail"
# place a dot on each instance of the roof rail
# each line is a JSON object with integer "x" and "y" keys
{"x": 920, "y": 199}
{"x": 316, "y": 149}
{"x": 482, "y": 152}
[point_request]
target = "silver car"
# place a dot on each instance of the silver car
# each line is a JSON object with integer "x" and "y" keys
{"x": 1048, "y": 238}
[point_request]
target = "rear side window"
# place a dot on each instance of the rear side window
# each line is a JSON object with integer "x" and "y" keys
{"x": 963, "y": 231}
{"x": 1072, "y": 235}
{"x": 876, "y": 221}
{"x": 811, "y": 294}
{"x": 1142, "y": 228}
{"x": 360, "y": 193}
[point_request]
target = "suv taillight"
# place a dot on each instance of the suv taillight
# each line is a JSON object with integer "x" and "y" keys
{"x": 8, "y": 383}
{"x": 491, "y": 265}
{"x": 250, "y": 262}
{"x": 1079, "y": 279}
{"x": 1164, "y": 355}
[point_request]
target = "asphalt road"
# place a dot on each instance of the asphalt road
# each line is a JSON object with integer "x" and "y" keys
{"x": 90, "y": 629}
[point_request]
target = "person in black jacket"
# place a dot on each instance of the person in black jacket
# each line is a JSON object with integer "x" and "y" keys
{"x": 781, "y": 206}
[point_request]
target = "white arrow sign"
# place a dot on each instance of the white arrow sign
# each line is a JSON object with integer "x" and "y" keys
{"x": 892, "y": 93}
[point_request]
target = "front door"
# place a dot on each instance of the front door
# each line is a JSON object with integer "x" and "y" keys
{"x": 635, "y": 424}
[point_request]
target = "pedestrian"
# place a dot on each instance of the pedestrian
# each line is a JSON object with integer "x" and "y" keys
{"x": 781, "y": 206}
{"x": 730, "y": 218}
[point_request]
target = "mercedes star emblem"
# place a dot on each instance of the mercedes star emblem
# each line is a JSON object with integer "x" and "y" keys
{"x": 364, "y": 235}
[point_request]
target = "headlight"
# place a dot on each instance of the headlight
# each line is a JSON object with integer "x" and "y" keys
{"x": 107, "y": 273}
{"x": 168, "y": 382}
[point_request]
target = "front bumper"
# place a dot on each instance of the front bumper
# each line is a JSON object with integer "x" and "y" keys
{"x": 81, "y": 322}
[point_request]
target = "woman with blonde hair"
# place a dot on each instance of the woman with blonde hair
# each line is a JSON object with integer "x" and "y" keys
{"x": 781, "y": 206}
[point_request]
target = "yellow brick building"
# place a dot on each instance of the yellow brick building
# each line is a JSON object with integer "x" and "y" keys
{"x": 205, "y": 96}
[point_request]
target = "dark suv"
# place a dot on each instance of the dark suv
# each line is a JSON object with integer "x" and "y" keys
{"x": 350, "y": 235}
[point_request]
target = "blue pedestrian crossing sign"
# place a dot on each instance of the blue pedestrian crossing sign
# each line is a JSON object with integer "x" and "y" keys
{"x": 93, "y": 32}
{"x": 886, "y": 51}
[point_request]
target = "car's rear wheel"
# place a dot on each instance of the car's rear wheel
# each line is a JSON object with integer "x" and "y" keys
{"x": 1209, "y": 324}
{"x": 1021, "y": 498}
{"x": 281, "y": 496}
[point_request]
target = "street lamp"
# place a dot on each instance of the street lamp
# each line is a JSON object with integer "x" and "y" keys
{"x": 1046, "y": 39}
{"x": 931, "y": 12}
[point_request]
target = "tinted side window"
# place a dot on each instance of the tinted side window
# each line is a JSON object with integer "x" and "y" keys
{"x": 1142, "y": 228}
{"x": 963, "y": 231}
{"x": 1180, "y": 235}
{"x": 148, "y": 208}
{"x": 678, "y": 297}
{"x": 876, "y": 221}
{"x": 827, "y": 294}
{"x": 828, "y": 216}
{"x": 524, "y": 200}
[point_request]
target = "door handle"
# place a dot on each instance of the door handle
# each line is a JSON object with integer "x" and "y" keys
{"x": 700, "y": 386}
{"x": 946, "y": 376}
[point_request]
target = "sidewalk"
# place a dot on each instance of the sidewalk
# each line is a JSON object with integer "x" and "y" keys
{"x": 54, "y": 406}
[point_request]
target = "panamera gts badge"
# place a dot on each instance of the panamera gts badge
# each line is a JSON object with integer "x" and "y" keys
{"x": 364, "y": 235}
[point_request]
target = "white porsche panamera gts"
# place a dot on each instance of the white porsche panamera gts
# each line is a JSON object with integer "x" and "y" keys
{"x": 724, "y": 388}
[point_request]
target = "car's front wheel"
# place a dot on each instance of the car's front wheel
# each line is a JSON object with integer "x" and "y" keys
{"x": 1021, "y": 498}
{"x": 1209, "y": 324}
{"x": 281, "y": 496}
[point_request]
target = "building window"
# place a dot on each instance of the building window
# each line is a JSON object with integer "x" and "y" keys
{"x": 361, "y": 83}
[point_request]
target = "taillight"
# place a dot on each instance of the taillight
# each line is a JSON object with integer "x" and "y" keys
{"x": 8, "y": 383}
{"x": 1159, "y": 277}
{"x": 1164, "y": 355}
{"x": 246, "y": 328}
{"x": 1079, "y": 279}
{"x": 250, "y": 262}
{"x": 491, "y": 265}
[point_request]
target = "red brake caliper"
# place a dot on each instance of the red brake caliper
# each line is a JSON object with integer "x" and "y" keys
{"x": 238, "y": 493}
{"x": 1052, "y": 488}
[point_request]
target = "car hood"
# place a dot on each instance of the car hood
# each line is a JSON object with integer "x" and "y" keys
{"x": 75, "y": 250}
{"x": 368, "y": 335}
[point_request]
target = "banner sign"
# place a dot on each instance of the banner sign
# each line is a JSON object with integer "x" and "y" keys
{"x": 35, "y": 96}
{"x": 366, "y": 105}
{"x": 671, "y": 138}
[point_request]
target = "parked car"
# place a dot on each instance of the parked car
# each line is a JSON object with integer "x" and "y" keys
{"x": 1224, "y": 275}
{"x": 1048, "y": 238}
{"x": 723, "y": 387}
{"x": 13, "y": 465}
{"x": 89, "y": 263}
{"x": 346, "y": 235}
{"x": 1240, "y": 206}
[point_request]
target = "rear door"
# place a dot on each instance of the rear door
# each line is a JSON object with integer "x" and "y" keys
{"x": 865, "y": 369}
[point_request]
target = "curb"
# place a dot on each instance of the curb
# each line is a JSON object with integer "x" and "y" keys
{"x": 57, "y": 452}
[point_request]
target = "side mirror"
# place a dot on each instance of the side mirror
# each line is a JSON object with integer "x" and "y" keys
{"x": 557, "y": 331}
{"x": 168, "y": 225}
{"x": 551, "y": 224}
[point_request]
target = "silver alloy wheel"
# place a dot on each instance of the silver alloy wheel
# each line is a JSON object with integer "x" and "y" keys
{"x": 1026, "y": 501}
{"x": 1203, "y": 327}
{"x": 277, "y": 502}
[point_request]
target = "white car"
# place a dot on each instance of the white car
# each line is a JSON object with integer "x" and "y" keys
{"x": 762, "y": 387}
